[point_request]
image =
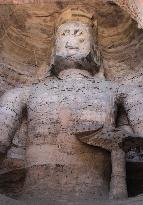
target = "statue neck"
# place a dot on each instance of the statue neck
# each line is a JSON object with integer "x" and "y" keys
{"x": 74, "y": 73}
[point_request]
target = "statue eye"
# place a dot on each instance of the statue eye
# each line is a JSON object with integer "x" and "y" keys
{"x": 78, "y": 33}
{"x": 66, "y": 32}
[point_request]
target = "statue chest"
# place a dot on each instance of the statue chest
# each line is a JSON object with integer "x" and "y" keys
{"x": 61, "y": 106}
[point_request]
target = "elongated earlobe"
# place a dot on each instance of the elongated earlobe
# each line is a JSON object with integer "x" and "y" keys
{"x": 97, "y": 55}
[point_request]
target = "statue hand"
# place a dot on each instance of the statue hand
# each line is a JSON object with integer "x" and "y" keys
{"x": 110, "y": 138}
{"x": 83, "y": 129}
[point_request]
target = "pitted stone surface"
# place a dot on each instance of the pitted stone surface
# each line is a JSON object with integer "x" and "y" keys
{"x": 54, "y": 156}
{"x": 58, "y": 164}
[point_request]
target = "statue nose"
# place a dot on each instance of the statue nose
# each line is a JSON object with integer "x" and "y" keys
{"x": 71, "y": 45}
{"x": 68, "y": 45}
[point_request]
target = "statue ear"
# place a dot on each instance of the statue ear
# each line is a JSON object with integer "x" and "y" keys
{"x": 97, "y": 55}
{"x": 52, "y": 61}
{"x": 99, "y": 62}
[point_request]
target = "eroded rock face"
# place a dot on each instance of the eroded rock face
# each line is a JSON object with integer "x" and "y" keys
{"x": 55, "y": 158}
{"x": 134, "y": 8}
{"x": 27, "y": 34}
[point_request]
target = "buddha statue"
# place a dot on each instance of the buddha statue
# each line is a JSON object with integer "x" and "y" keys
{"x": 73, "y": 108}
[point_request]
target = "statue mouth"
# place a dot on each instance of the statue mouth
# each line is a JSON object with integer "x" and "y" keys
{"x": 71, "y": 47}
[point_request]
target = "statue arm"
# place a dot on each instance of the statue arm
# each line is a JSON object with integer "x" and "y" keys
{"x": 11, "y": 105}
{"x": 133, "y": 104}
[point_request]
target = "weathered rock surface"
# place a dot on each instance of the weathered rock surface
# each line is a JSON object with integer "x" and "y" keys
{"x": 27, "y": 32}
{"x": 26, "y": 39}
{"x": 132, "y": 201}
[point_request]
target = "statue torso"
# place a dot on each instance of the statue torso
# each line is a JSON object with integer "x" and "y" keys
{"x": 56, "y": 106}
{"x": 55, "y": 109}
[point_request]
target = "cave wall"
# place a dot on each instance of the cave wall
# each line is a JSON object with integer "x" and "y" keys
{"x": 134, "y": 8}
{"x": 26, "y": 39}
{"x": 27, "y": 34}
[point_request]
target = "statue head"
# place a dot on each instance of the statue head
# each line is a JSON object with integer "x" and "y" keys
{"x": 76, "y": 42}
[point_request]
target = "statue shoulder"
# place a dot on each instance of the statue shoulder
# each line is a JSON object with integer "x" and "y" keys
{"x": 47, "y": 79}
{"x": 47, "y": 83}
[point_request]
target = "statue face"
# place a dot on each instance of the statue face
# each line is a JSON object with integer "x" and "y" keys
{"x": 73, "y": 40}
